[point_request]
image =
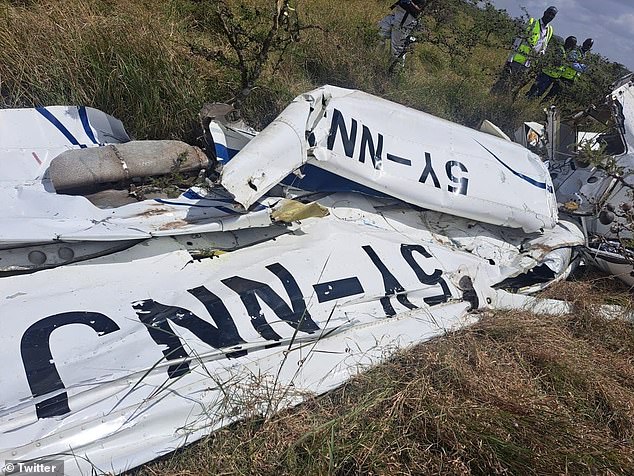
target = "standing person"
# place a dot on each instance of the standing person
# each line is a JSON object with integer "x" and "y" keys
{"x": 399, "y": 24}
{"x": 552, "y": 74}
{"x": 571, "y": 69}
{"x": 534, "y": 41}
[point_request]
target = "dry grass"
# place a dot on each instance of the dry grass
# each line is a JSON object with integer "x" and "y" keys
{"x": 515, "y": 394}
{"x": 133, "y": 60}
{"x": 127, "y": 58}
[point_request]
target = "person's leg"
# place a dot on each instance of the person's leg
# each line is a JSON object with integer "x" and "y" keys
{"x": 385, "y": 26}
{"x": 398, "y": 34}
{"x": 554, "y": 91}
{"x": 519, "y": 78}
{"x": 401, "y": 37}
{"x": 503, "y": 82}
{"x": 539, "y": 87}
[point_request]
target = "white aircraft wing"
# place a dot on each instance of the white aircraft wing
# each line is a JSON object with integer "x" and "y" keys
{"x": 400, "y": 152}
{"x": 136, "y": 350}
{"x": 114, "y": 361}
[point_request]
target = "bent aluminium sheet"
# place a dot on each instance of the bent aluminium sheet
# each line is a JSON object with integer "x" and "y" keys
{"x": 32, "y": 213}
{"x": 53, "y": 218}
{"x": 114, "y": 361}
{"x": 401, "y": 152}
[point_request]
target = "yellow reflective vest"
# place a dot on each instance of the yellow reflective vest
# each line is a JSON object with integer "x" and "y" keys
{"x": 565, "y": 71}
{"x": 531, "y": 38}
{"x": 555, "y": 71}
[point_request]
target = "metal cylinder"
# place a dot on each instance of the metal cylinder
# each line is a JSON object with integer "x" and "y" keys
{"x": 91, "y": 167}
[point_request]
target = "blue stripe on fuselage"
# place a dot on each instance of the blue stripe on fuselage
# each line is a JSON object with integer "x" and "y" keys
{"x": 53, "y": 120}
{"x": 83, "y": 115}
{"x": 532, "y": 181}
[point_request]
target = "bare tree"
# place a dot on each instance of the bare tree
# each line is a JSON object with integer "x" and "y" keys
{"x": 255, "y": 36}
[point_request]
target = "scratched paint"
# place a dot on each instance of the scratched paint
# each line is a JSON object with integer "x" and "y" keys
{"x": 414, "y": 157}
{"x": 116, "y": 359}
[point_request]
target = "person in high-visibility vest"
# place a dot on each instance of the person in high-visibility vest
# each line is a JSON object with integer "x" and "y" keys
{"x": 571, "y": 69}
{"x": 399, "y": 24}
{"x": 562, "y": 69}
{"x": 533, "y": 42}
{"x": 587, "y": 45}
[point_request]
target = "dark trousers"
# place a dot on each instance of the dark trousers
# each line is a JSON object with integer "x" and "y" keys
{"x": 541, "y": 84}
{"x": 558, "y": 87}
{"x": 512, "y": 78}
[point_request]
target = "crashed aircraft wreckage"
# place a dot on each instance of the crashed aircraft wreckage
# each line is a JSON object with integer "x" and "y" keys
{"x": 127, "y": 328}
{"x": 600, "y": 198}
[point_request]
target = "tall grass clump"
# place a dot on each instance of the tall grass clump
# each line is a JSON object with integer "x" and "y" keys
{"x": 125, "y": 58}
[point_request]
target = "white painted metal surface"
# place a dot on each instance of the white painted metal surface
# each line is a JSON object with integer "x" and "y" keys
{"x": 597, "y": 197}
{"x": 625, "y": 96}
{"x": 115, "y": 360}
{"x": 31, "y": 138}
{"x": 130, "y": 355}
{"x": 34, "y": 213}
{"x": 400, "y": 152}
{"x": 73, "y": 218}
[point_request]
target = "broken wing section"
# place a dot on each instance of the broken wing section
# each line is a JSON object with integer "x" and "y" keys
{"x": 274, "y": 153}
{"x": 624, "y": 94}
{"x": 400, "y": 152}
{"x": 31, "y": 138}
{"x": 53, "y": 218}
{"x": 131, "y": 355}
{"x": 59, "y": 161}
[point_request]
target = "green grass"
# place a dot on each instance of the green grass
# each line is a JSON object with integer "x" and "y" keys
{"x": 131, "y": 64}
